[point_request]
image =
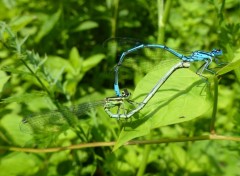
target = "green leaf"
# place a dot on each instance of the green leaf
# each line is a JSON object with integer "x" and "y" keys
{"x": 21, "y": 21}
{"x": 48, "y": 25}
{"x": 15, "y": 160}
{"x": 3, "y": 79}
{"x": 87, "y": 25}
{"x": 25, "y": 97}
{"x": 235, "y": 64}
{"x": 231, "y": 66}
{"x": 179, "y": 155}
{"x": 183, "y": 97}
{"x": 75, "y": 59}
{"x": 13, "y": 70}
{"x": 55, "y": 64}
{"x": 70, "y": 86}
{"x": 92, "y": 61}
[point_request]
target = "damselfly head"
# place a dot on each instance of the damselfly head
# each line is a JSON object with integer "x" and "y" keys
{"x": 125, "y": 93}
{"x": 217, "y": 52}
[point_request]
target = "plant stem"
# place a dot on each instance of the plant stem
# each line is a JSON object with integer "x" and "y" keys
{"x": 163, "y": 15}
{"x": 108, "y": 144}
{"x": 38, "y": 79}
{"x": 144, "y": 162}
{"x": 114, "y": 18}
{"x": 215, "y": 103}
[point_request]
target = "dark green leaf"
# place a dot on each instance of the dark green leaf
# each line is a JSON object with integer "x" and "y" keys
{"x": 48, "y": 25}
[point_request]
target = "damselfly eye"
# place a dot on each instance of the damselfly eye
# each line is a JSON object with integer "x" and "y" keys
{"x": 125, "y": 93}
{"x": 217, "y": 52}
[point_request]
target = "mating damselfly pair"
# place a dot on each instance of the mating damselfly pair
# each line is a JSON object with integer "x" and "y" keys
{"x": 115, "y": 106}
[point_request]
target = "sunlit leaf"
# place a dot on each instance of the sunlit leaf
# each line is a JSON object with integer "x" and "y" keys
{"x": 235, "y": 64}
{"x": 87, "y": 25}
{"x": 21, "y": 21}
{"x": 3, "y": 79}
{"x": 55, "y": 64}
{"x": 75, "y": 59}
{"x": 15, "y": 159}
{"x": 179, "y": 154}
{"x": 14, "y": 70}
{"x": 92, "y": 61}
{"x": 25, "y": 97}
{"x": 183, "y": 97}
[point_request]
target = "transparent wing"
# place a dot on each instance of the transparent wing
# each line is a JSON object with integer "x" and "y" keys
{"x": 57, "y": 120}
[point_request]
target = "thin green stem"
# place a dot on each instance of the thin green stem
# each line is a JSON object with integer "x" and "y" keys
{"x": 114, "y": 18}
{"x": 38, "y": 79}
{"x": 144, "y": 162}
{"x": 163, "y": 16}
{"x": 220, "y": 12}
{"x": 41, "y": 83}
{"x": 215, "y": 103}
{"x": 108, "y": 144}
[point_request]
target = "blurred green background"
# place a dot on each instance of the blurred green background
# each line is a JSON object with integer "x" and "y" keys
{"x": 65, "y": 39}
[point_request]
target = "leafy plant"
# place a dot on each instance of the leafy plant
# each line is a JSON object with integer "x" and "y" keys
{"x": 74, "y": 71}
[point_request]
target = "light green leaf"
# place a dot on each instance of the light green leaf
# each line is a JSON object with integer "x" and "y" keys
{"x": 87, "y": 25}
{"x": 70, "y": 86}
{"x": 23, "y": 41}
{"x": 179, "y": 155}
{"x": 21, "y": 21}
{"x": 25, "y": 97}
{"x": 75, "y": 59}
{"x": 9, "y": 4}
{"x": 229, "y": 67}
{"x": 183, "y": 97}
{"x": 92, "y": 61}
{"x": 55, "y": 64}
{"x": 3, "y": 79}
{"x": 14, "y": 70}
{"x": 48, "y": 25}
{"x": 235, "y": 64}
{"x": 15, "y": 160}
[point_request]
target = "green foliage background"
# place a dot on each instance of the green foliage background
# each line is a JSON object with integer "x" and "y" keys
{"x": 62, "y": 42}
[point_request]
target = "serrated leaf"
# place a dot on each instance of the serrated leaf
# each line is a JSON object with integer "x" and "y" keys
{"x": 19, "y": 44}
{"x": 183, "y": 97}
{"x": 48, "y": 25}
{"x": 23, "y": 41}
{"x": 14, "y": 70}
